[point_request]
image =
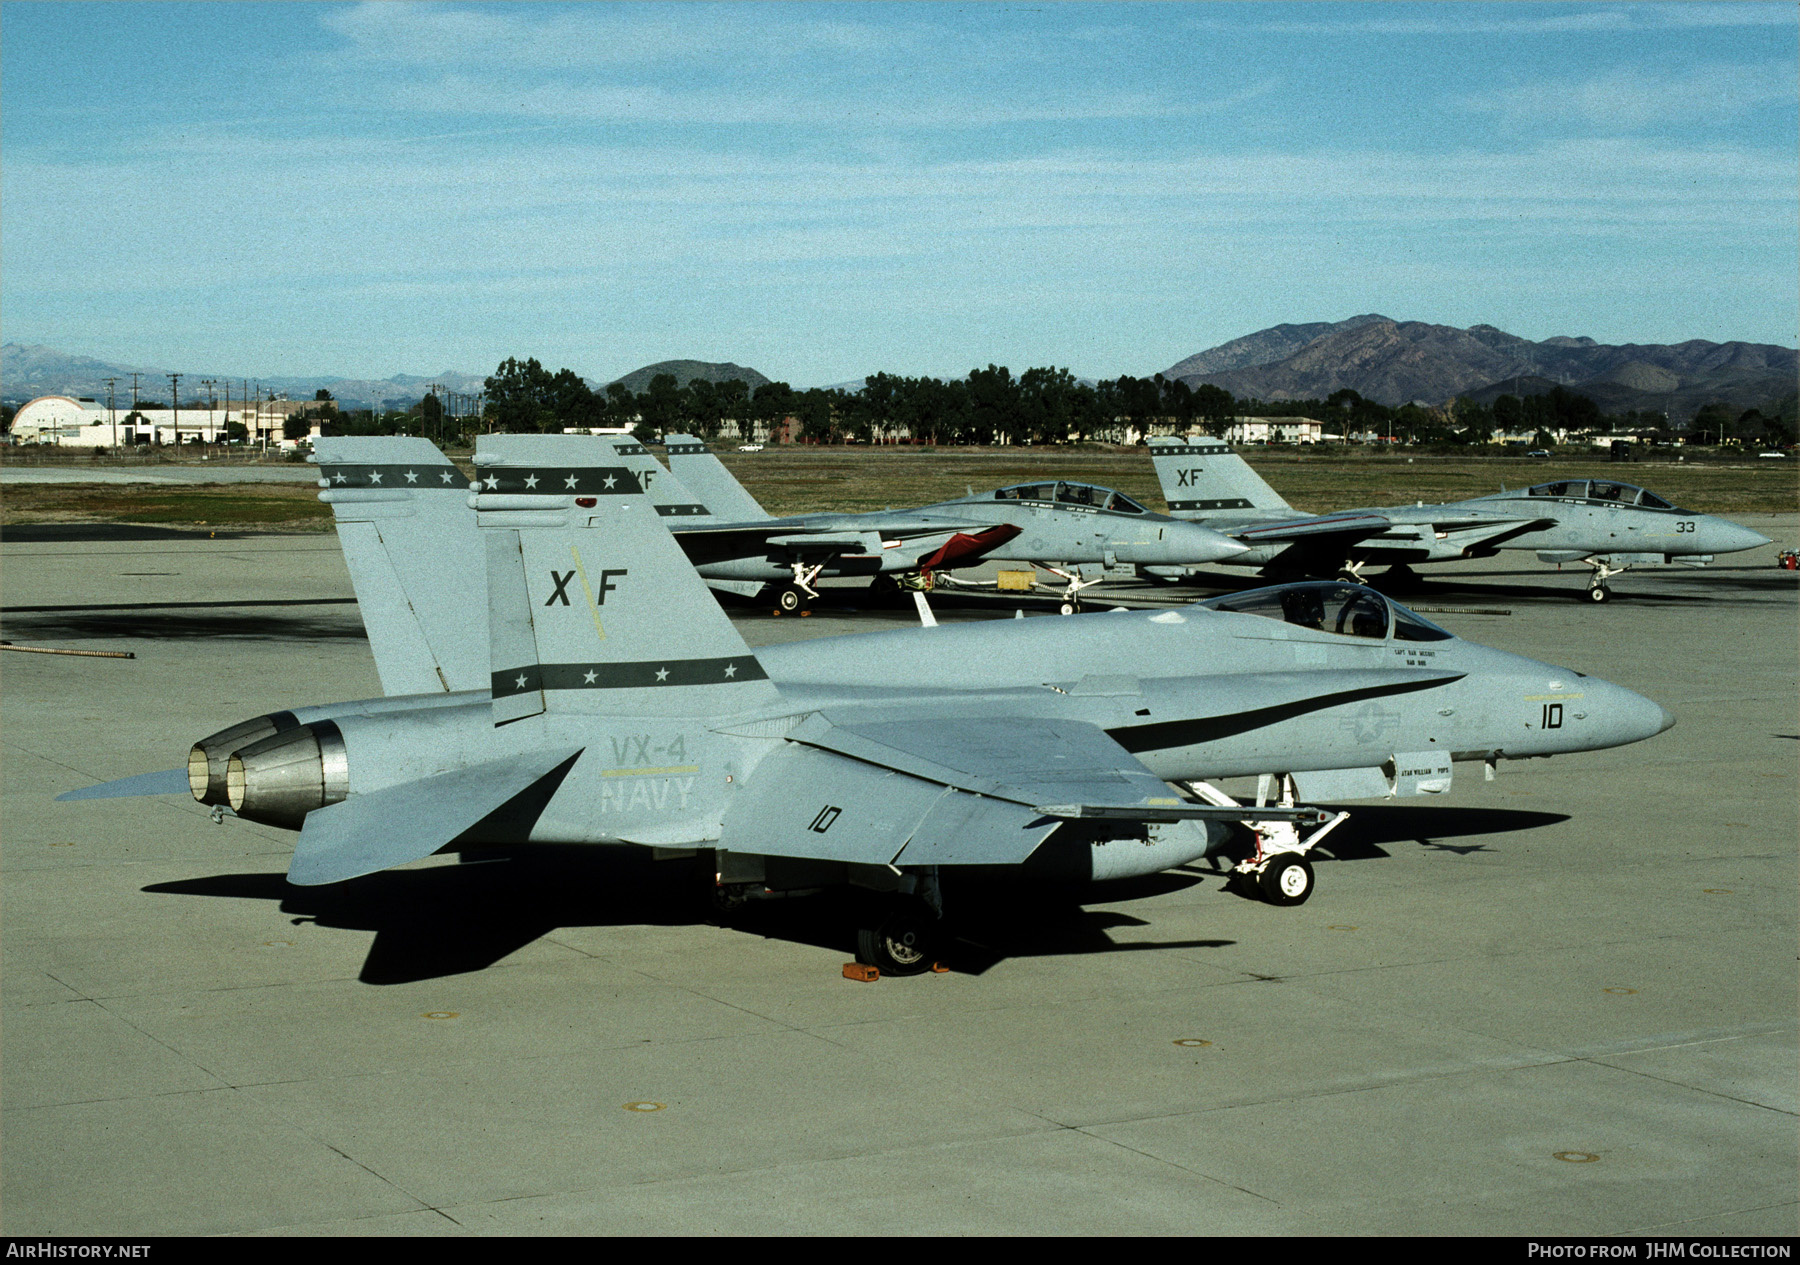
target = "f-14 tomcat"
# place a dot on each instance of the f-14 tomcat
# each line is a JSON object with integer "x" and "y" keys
{"x": 1606, "y": 525}
{"x": 624, "y": 709}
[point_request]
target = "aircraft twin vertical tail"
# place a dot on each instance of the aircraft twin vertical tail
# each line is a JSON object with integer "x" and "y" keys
{"x": 1204, "y": 477}
{"x": 592, "y": 606}
{"x": 668, "y": 494}
{"x": 409, "y": 542}
{"x": 691, "y": 461}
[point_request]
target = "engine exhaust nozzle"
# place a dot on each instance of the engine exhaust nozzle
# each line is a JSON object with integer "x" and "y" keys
{"x": 280, "y": 779}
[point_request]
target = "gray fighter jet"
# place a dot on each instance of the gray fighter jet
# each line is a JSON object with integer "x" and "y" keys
{"x": 1075, "y": 531}
{"x": 623, "y": 708}
{"x": 1606, "y": 525}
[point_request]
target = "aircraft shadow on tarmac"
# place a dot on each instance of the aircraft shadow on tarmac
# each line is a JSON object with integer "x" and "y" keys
{"x": 189, "y": 621}
{"x": 1700, "y": 585}
{"x": 72, "y": 533}
{"x": 453, "y": 919}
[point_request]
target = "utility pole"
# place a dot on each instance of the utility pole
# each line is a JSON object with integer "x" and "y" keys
{"x": 175, "y": 403}
{"x": 112, "y": 413}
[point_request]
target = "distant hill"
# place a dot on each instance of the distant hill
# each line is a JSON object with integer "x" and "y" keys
{"x": 28, "y": 371}
{"x": 1264, "y": 347}
{"x": 1393, "y": 362}
{"x": 686, "y": 371}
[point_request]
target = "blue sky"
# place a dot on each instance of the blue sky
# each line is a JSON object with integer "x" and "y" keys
{"x": 823, "y": 191}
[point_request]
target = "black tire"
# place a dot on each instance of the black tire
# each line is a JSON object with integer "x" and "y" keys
{"x": 1286, "y": 880}
{"x": 901, "y": 944}
{"x": 1071, "y": 608}
{"x": 791, "y": 598}
{"x": 1599, "y": 593}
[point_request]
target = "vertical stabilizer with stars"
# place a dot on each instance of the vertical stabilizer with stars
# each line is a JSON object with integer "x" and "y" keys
{"x": 409, "y": 542}
{"x": 691, "y": 461}
{"x": 668, "y": 494}
{"x": 592, "y": 606}
{"x": 1204, "y": 477}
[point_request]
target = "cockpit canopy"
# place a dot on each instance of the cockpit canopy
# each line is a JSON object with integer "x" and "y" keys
{"x": 1603, "y": 490}
{"x": 1349, "y": 610}
{"x": 1072, "y": 494}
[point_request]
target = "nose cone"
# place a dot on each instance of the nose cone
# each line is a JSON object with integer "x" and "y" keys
{"x": 1625, "y": 716}
{"x": 1733, "y": 538}
{"x": 1194, "y": 543}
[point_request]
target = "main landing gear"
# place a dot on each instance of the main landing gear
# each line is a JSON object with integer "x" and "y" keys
{"x": 901, "y": 932}
{"x": 799, "y": 593}
{"x": 902, "y": 941}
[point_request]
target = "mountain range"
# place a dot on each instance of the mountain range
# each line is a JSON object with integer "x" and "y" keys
{"x": 1393, "y": 362}
{"x": 28, "y": 371}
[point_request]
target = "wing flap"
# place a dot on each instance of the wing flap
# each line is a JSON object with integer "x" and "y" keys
{"x": 805, "y": 801}
{"x": 1026, "y": 759}
{"x": 389, "y": 827}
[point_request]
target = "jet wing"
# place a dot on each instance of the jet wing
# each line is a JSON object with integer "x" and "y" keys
{"x": 939, "y": 791}
{"x": 836, "y": 534}
{"x": 1345, "y": 527}
{"x": 402, "y": 823}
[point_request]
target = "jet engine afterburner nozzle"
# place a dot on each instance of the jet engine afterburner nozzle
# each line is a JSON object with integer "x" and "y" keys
{"x": 280, "y": 779}
{"x": 207, "y": 758}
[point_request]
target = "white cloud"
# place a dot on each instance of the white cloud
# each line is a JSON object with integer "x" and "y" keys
{"x": 1627, "y": 99}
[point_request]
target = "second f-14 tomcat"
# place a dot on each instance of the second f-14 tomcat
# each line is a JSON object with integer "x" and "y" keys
{"x": 1601, "y": 523}
{"x": 624, "y": 709}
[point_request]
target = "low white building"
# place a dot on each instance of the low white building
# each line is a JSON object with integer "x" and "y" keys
{"x": 87, "y": 423}
{"x": 1274, "y": 430}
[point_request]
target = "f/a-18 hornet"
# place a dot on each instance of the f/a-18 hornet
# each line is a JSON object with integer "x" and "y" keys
{"x": 1603, "y": 524}
{"x": 624, "y": 709}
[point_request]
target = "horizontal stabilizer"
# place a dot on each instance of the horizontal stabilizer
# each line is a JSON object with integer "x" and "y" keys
{"x": 389, "y": 827}
{"x": 168, "y": 782}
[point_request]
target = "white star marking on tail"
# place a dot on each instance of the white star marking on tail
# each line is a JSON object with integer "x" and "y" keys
{"x": 531, "y": 481}
{"x": 520, "y": 682}
{"x": 374, "y": 476}
{"x": 588, "y": 679}
{"x": 569, "y": 482}
{"x": 411, "y": 477}
{"x": 662, "y": 674}
{"x": 731, "y": 669}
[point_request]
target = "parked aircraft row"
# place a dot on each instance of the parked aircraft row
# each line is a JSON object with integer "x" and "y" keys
{"x": 556, "y": 672}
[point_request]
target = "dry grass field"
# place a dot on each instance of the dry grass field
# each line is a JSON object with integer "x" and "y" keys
{"x": 801, "y": 479}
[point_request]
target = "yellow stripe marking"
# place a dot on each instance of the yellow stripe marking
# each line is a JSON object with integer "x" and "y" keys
{"x": 588, "y": 593}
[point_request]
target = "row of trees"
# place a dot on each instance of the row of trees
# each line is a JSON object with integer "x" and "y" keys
{"x": 991, "y": 405}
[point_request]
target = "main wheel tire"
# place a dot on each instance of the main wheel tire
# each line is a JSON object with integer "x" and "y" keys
{"x": 1286, "y": 880}
{"x": 901, "y": 944}
{"x": 1070, "y": 608}
{"x": 1599, "y": 593}
{"x": 791, "y": 598}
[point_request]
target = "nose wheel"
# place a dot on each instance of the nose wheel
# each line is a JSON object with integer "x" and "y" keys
{"x": 1287, "y": 879}
{"x": 1598, "y": 594}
